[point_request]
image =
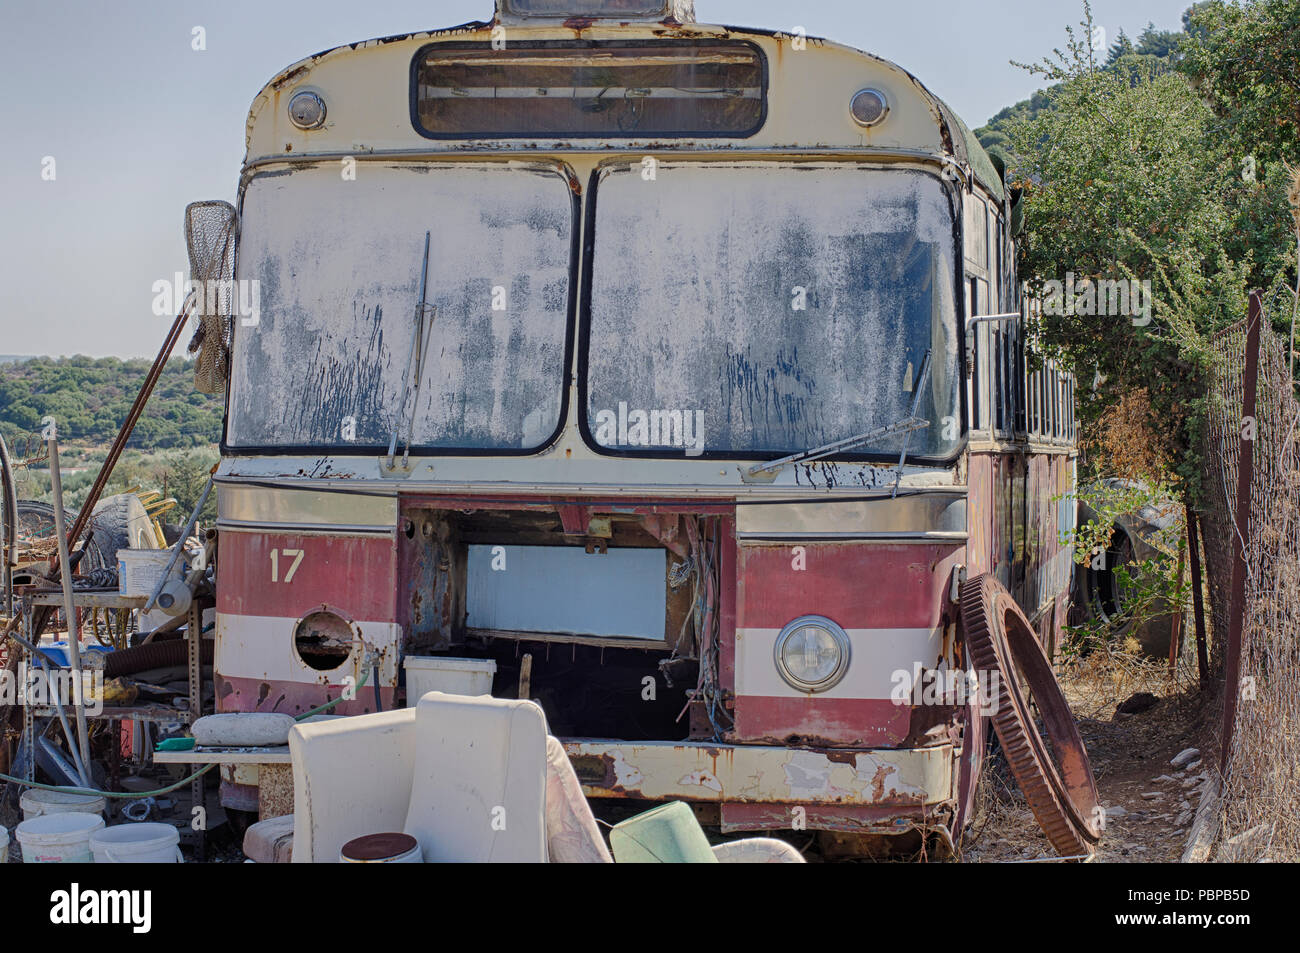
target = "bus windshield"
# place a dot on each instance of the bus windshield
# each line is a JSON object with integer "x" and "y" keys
{"x": 339, "y": 260}
{"x": 771, "y": 308}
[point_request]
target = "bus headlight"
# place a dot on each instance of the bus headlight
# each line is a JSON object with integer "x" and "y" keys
{"x": 868, "y": 107}
{"x": 812, "y": 653}
{"x": 307, "y": 110}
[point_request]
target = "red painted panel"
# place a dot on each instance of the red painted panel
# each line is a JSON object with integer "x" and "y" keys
{"x": 867, "y": 722}
{"x": 858, "y": 585}
{"x": 979, "y": 514}
{"x": 294, "y": 698}
{"x": 355, "y": 574}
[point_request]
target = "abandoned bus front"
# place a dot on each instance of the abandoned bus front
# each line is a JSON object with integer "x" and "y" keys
{"x": 622, "y": 364}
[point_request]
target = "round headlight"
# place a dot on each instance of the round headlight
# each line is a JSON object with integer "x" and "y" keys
{"x": 868, "y": 107}
{"x": 812, "y": 653}
{"x": 307, "y": 110}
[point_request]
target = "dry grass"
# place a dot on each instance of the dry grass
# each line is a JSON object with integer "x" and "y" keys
{"x": 1098, "y": 682}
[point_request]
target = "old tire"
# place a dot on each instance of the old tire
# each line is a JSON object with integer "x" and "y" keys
{"x": 121, "y": 522}
{"x": 1098, "y": 590}
{"x": 1003, "y": 648}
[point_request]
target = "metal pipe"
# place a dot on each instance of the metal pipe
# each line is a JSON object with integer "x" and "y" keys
{"x": 1176, "y": 621}
{"x": 69, "y": 607}
{"x": 1198, "y": 607}
{"x": 9, "y": 544}
{"x": 67, "y": 731}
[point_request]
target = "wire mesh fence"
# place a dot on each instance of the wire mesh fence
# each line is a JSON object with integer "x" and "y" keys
{"x": 1260, "y": 788}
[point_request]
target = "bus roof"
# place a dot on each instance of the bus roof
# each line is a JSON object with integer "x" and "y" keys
{"x": 367, "y": 89}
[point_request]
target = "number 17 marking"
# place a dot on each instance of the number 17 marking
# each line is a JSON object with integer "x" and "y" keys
{"x": 293, "y": 566}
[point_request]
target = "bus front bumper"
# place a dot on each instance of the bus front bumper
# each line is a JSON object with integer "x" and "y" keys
{"x": 767, "y": 787}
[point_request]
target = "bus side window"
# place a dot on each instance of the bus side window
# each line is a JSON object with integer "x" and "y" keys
{"x": 993, "y": 260}
{"x": 1053, "y": 415}
{"x": 1073, "y": 435}
{"x": 982, "y": 360}
{"x": 974, "y": 357}
{"x": 999, "y": 405}
{"x": 976, "y": 235}
{"x": 1040, "y": 399}
{"x": 1036, "y": 415}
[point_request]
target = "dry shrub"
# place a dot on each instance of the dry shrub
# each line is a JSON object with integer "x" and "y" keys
{"x": 1127, "y": 440}
{"x": 1095, "y": 683}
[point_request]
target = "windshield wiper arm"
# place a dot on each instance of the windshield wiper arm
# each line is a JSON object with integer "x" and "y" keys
{"x": 906, "y": 425}
{"x": 414, "y": 365}
{"x": 917, "y": 391}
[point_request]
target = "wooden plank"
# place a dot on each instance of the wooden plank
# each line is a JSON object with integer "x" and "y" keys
{"x": 145, "y": 713}
{"x": 1205, "y": 828}
{"x": 103, "y": 599}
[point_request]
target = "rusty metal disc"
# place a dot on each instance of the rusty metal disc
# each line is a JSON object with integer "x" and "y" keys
{"x": 1057, "y": 783}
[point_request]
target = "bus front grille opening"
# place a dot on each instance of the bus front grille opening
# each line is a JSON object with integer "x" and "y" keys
{"x": 605, "y": 626}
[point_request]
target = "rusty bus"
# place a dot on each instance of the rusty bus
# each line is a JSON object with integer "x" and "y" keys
{"x": 674, "y": 369}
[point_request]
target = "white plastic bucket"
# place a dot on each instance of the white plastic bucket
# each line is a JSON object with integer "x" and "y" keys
{"x": 4, "y": 846}
{"x": 145, "y": 843}
{"x": 138, "y": 570}
{"x": 38, "y": 803}
{"x": 58, "y": 838}
{"x": 455, "y": 676}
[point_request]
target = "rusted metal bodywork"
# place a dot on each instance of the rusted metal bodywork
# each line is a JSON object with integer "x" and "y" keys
{"x": 873, "y": 544}
{"x": 764, "y": 788}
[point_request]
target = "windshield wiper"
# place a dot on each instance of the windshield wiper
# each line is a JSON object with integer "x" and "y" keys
{"x": 917, "y": 391}
{"x": 414, "y": 365}
{"x": 904, "y": 426}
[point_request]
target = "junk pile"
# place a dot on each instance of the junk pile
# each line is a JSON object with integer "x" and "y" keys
{"x": 103, "y": 616}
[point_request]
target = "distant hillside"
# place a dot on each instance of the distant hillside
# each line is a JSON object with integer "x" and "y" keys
{"x": 90, "y": 397}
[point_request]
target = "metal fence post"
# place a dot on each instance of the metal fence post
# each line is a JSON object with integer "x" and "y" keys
{"x": 1241, "y": 529}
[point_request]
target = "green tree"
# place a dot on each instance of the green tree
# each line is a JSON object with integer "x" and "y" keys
{"x": 1245, "y": 59}
{"x": 1125, "y": 179}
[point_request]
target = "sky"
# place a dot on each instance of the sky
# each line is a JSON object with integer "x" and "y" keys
{"x": 139, "y": 123}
